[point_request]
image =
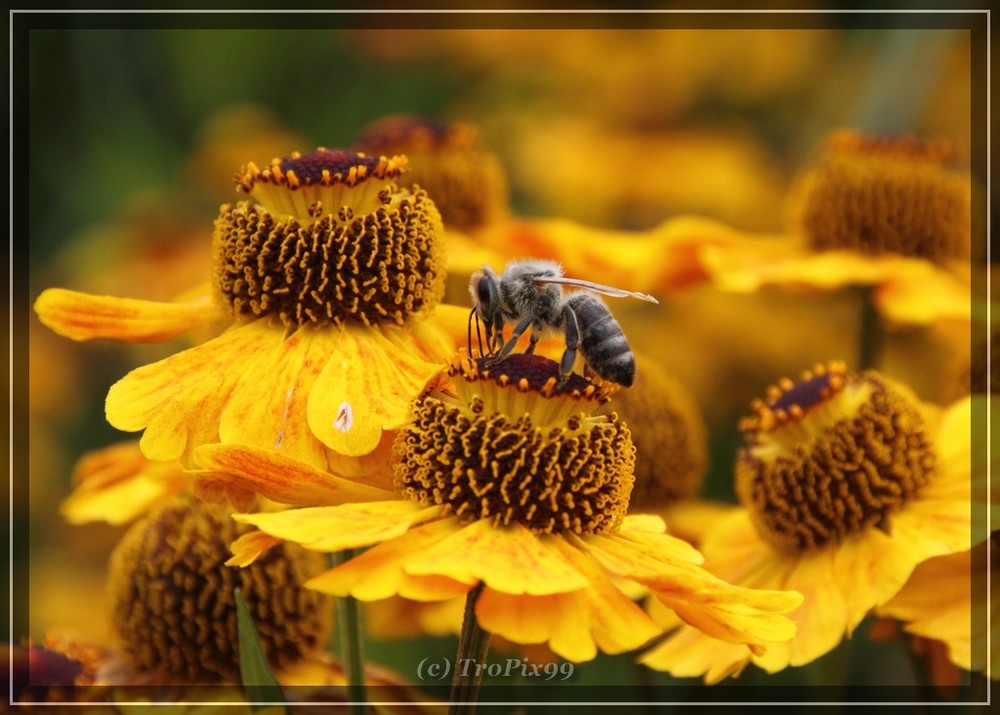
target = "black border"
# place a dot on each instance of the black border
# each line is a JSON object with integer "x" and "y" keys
{"x": 22, "y": 22}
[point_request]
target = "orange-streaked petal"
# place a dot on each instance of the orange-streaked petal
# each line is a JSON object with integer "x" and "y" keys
{"x": 365, "y": 387}
{"x": 178, "y": 400}
{"x": 268, "y": 406}
{"x": 278, "y": 477}
{"x": 250, "y": 547}
{"x": 335, "y": 528}
{"x": 380, "y": 571}
{"x": 81, "y": 316}
{"x": 510, "y": 560}
{"x": 632, "y": 553}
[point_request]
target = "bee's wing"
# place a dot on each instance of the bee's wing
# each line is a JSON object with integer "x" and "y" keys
{"x": 596, "y": 287}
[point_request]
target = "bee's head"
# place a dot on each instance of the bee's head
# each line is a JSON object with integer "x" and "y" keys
{"x": 485, "y": 291}
{"x": 484, "y": 287}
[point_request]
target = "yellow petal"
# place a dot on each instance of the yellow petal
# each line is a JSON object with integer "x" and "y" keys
{"x": 741, "y": 615}
{"x": 689, "y": 653}
{"x": 365, "y": 387}
{"x": 634, "y": 553}
{"x": 118, "y": 503}
{"x": 335, "y": 528}
{"x": 178, "y": 400}
{"x": 80, "y": 316}
{"x": 250, "y": 547}
{"x": 925, "y": 299}
{"x": 615, "y": 621}
{"x": 556, "y": 619}
{"x": 825, "y": 617}
{"x": 784, "y": 261}
{"x": 728, "y": 612}
{"x": 117, "y": 483}
{"x": 380, "y": 572}
{"x": 435, "y": 338}
{"x": 509, "y": 560}
{"x": 521, "y": 619}
{"x": 268, "y": 407}
{"x": 278, "y": 477}
{"x": 644, "y": 522}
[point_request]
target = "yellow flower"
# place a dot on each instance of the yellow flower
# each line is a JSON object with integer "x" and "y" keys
{"x": 846, "y": 485}
{"x": 888, "y": 212}
{"x": 330, "y": 276}
{"x": 508, "y": 481}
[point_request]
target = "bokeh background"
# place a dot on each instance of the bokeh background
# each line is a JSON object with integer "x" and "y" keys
{"x": 135, "y": 135}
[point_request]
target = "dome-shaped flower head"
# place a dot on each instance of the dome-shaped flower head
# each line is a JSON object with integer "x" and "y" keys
{"x": 509, "y": 483}
{"x": 892, "y": 212}
{"x": 847, "y": 483}
{"x": 330, "y": 275}
{"x": 172, "y": 603}
{"x": 447, "y": 160}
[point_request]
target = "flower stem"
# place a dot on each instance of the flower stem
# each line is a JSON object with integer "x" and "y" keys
{"x": 473, "y": 646}
{"x": 871, "y": 334}
{"x": 349, "y": 627}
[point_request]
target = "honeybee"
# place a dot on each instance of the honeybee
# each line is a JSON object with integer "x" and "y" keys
{"x": 529, "y": 294}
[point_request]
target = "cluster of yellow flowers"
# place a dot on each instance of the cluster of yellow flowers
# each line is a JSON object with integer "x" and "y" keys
{"x": 343, "y": 410}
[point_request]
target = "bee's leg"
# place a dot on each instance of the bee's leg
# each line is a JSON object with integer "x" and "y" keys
{"x": 536, "y": 333}
{"x": 494, "y": 333}
{"x": 572, "y": 330}
{"x": 514, "y": 337}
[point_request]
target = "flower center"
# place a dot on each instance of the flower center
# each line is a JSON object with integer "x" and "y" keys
{"x": 467, "y": 182}
{"x": 830, "y": 456}
{"x": 172, "y": 596}
{"x": 328, "y": 237}
{"x": 888, "y": 194}
{"x": 510, "y": 444}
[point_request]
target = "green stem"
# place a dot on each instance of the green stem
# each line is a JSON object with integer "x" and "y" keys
{"x": 349, "y": 627}
{"x": 473, "y": 646}
{"x": 871, "y": 334}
